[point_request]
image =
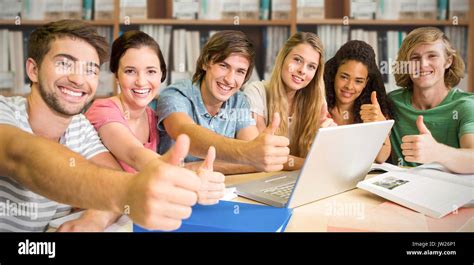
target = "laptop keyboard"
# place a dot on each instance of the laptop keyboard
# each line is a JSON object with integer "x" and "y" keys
{"x": 282, "y": 191}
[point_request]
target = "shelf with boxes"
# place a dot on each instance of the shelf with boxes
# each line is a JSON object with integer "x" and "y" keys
{"x": 19, "y": 17}
{"x": 181, "y": 44}
{"x": 381, "y": 22}
{"x": 182, "y": 27}
{"x": 364, "y": 19}
{"x": 22, "y": 22}
{"x": 14, "y": 47}
{"x": 268, "y": 23}
{"x": 210, "y": 22}
{"x": 374, "y": 21}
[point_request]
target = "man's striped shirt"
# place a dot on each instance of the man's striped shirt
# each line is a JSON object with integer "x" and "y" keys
{"x": 22, "y": 210}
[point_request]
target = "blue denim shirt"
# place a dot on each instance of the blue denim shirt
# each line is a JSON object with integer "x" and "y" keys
{"x": 184, "y": 96}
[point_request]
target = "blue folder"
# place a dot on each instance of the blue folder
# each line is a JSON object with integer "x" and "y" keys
{"x": 228, "y": 216}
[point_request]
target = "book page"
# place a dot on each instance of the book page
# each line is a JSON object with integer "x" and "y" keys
{"x": 387, "y": 167}
{"x": 428, "y": 195}
{"x": 437, "y": 171}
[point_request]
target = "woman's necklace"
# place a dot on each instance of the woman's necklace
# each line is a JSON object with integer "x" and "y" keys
{"x": 125, "y": 111}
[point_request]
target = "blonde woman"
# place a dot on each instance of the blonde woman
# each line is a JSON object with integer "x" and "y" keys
{"x": 295, "y": 91}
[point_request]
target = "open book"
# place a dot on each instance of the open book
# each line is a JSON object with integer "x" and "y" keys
{"x": 429, "y": 189}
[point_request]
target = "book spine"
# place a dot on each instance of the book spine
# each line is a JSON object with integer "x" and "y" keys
{"x": 264, "y": 9}
{"x": 87, "y": 9}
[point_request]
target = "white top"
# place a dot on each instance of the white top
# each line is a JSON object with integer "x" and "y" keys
{"x": 25, "y": 210}
{"x": 257, "y": 97}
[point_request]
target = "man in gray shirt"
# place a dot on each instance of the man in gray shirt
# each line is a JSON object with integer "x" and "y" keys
{"x": 45, "y": 144}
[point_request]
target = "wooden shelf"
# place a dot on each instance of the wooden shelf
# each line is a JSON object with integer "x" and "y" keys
{"x": 42, "y": 22}
{"x": 202, "y": 22}
{"x": 243, "y": 22}
{"x": 102, "y": 22}
{"x": 381, "y": 22}
{"x": 160, "y": 13}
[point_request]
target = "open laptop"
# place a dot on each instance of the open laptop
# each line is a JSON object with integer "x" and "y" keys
{"x": 338, "y": 159}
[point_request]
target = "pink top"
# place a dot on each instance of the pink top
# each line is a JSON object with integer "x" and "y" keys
{"x": 104, "y": 111}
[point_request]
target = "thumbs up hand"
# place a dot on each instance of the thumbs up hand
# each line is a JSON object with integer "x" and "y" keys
{"x": 273, "y": 127}
{"x": 212, "y": 183}
{"x": 421, "y": 126}
{"x": 162, "y": 193}
{"x": 268, "y": 152}
{"x": 421, "y": 148}
{"x": 371, "y": 112}
{"x": 325, "y": 119}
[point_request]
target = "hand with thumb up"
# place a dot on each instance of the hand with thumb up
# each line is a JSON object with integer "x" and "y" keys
{"x": 163, "y": 192}
{"x": 421, "y": 148}
{"x": 212, "y": 183}
{"x": 372, "y": 112}
{"x": 268, "y": 152}
{"x": 325, "y": 119}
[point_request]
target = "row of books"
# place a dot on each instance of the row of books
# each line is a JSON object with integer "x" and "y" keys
{"x": 184, "y": 46}
{"x": 162, "y": 35}
{"x": 386, "y": 44}
{"x": 12, "y": 74}
{"x": 316, "y": 9}
{"x": 106, "y": 78}
{"x": 181, "y": 49}
{"x": 234, "y": 9}
{"x": 137, "y": 9}
{"x": 459, "y": 38}
{"x": 273, "y": 39}
{"x": 13, "y": 48}
{"x": 231, "y": 9}
{"x": 72, "y": 9}
{"x": 409, "y": 9}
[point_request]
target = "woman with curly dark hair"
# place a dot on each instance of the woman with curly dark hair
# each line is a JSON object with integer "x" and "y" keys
{"x": 355, "y": 91}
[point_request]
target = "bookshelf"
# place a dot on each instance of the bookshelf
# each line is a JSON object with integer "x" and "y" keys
{"x": 9, "y": 22}
{"x": 209, "y": 22}
{"x": 380, "y": 22}
{"x": 336, "y": 13}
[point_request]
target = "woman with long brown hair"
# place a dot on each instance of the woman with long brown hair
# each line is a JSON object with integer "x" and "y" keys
{"x": 295, "y": 91}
